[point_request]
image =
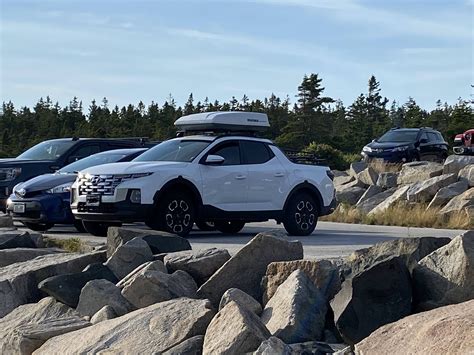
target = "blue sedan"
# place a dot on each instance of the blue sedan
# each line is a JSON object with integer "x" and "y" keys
{"x": 44, "y": 201}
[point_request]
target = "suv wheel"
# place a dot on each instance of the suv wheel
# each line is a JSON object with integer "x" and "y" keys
{"x": 99, "y": 229}
{"x": 79, "y": 226}
{"x": 229, "y": 227}
{"x": 177, "y": 213}
{"x": 301, "y": 215}
{"x": 206, "y": 226}
{"x": 38, "y": 227}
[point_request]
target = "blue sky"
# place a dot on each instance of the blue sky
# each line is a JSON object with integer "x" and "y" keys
{"x": 145, "y": 50}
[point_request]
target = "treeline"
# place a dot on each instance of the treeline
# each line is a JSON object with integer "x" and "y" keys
{"x": 313, "y": 118}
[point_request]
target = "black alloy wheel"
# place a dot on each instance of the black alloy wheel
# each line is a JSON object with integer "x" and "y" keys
{"x": 177, "y": 214}
{"x": 301, "y": 215}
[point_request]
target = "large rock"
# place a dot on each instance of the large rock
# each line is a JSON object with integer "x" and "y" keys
{"x": 17, "y": 255}
{"x": 99, "y": 293}
{"x": 16, "y": 239}
{"x": 149, "y": 287}
{"x": 273, "y": 346}
{"x": 297, "y": 311}
{"x": 318, "y": 347}
{"x": 371, "y": 191}
{"x": 445, "y": 194}
{"x": 129, "y": 256}
{"x": 424, "y": 191}
{"x": 446, "y": 275}
{"x": 251, "y": 261}
{"x": 411, "y": 250}
{"x": 459, "y": 203}
{"x": 105, "y": 313}
{"x": 454, "y": 163}
{"x": 159, "y": 242}
{"x": 19, "y": 281}
{"x": 156, "y": 265}
{"x": 445, "y": 330}
{"x": 150, "y": 330}
{"x": 27, "y": 327}
{"x": 191, "y": 346}
{"x": 350, "y": 195}
{"x": 368, "y": 176}
{"x": 234, "y": 330}
{"x": 400, "y": 195}
{"x": 321, "y": 272}
{"x": 370, "y": 203}
{"x": 372, "y": 298}
{"x": 342, "y": 180}
{"x": 466, "y": 174}
{"x": 6, "y": 221}
{"x": 418, "y": 171}
{"x": 387, "y": 180}
{"x": 357, "y": 167}
{"x": 241, "y": 298}
{"x": 67, "y": 288}
{"x": 199, "y": 264}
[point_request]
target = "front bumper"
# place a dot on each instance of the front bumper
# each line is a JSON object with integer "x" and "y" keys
{"x": 463, "y": 150}
{"x": 124, "y": 211}
{"x": 389, "y": 156}
{"x": 325, "y": 210}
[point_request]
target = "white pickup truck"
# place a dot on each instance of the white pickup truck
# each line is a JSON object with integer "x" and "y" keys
{"x": 216, "y": 172}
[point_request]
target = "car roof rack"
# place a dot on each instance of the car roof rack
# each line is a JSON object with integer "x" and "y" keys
{"x": 305, "y": 158}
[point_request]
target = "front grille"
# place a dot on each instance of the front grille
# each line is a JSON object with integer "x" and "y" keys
{"x": 90, "y": 185}
{"x": 3, "y": 176}
{"x": 103, "y": 208}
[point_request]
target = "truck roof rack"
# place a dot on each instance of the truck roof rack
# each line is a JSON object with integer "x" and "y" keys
{"x": 299, "y": 157}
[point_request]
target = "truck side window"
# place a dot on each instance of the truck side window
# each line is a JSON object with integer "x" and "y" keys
{"x": 255, "y": 152}
{"x": 229, "y": 151}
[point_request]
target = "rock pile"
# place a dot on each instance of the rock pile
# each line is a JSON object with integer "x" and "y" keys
{"x": 264, "y": 299}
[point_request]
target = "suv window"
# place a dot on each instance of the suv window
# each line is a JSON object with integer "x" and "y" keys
{"x": 432, "y": 137}
{"x": 86, "y": 150}
{"x": 440, "y": 137}
{"x": 229, "y": 151}
{"x": 255, "y": 152}
{"x": 424, "y": 136}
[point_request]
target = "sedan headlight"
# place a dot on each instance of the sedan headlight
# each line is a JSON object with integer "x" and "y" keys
{"x": 367, "y": 149}
{"x": 400, "y": 149}
{"x": 60, "y": 189}
{"x": 9, "y": 174}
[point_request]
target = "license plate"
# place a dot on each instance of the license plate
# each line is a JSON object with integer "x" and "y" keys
{"x": 92, "y": 200}
{"x": 19, "y": 208}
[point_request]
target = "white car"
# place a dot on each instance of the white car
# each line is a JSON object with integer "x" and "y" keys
{"x": 221, "y": 173}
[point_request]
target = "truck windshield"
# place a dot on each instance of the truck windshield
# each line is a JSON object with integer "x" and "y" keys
{"x": 48, "y": 150}
{"x": 93, "y": 160}
{"x": 179, "y": 150}
{"x": 399, "y": 136}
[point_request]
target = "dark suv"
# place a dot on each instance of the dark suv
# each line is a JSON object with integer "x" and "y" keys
{"x": 50, "y": 156}
{"x": 400, "y": 145}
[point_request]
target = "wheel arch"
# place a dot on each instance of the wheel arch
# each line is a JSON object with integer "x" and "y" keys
{"x": 308, "y": 188}
{"x": 183, "y": 185}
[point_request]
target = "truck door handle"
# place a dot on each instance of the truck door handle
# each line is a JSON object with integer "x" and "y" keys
{"x": 240, "y": 177}
{"x": 279, "y": 174}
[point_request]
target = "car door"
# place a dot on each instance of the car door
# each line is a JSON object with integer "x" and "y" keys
{"x": 425, "y": 147}
{"x": 225, "y": 186}
{"x": 267, "y": 178}
{"x": 83, "y": 151}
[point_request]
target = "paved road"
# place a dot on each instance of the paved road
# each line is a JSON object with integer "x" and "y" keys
{"x": 328, "y": 241}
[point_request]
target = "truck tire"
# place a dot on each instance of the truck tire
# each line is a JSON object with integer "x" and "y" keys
{"x": 38, "y": 227}
{"x": 205, "y": 226}
{"x": 177, "y": 213}
{"x": 229, "y": 227}
{"x": 301, "y": 215}
{"x": 79, "y": 226}
{"x": 98, "y": 229}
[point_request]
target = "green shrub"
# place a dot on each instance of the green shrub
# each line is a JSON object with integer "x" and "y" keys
{"x": 333, "y": 157}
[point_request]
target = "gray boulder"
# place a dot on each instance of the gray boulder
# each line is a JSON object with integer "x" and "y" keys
{"x": 149, "y": 287}
{"x": 297, "y": 311}
{"x": 199, "y": 264}
{"x": 424, "y": 191}
{"x": 273, "y": 346}
{"x": 17, "y": 255}
{"x": 357, "y": 167}
{"x": 105, "y": 313}
{"x": 459, "y": 203}
{"x": 350, "y": 195}
{"x": 129, "y": 256}
{"x": 234, "y": 330}
{"x": 387, "y": 180}
{"x": 322, "y": 273}
{"x": 454, "y": 163}
{"x": 445, "y": 194}
{"x": 374, "y": 297}
{"x": 269, "y": 248}
{"x": 99, "y": 293}
{"x": 144, "y": 331}
{"x": 399, "y": 196}
{"x": 418, "y": 171}
{"x": 19, "y": 281}
{"x": 367, "y": 205}
{"x": 342, "y": 180}
{"x": 319, "y": 348}
{"x": 159, "y": 242}
{"x": 191, "y": 346}
{"x": 466, "y": 174}
{"x": 16, "y": 239}
{"x": 6, "y": 221}
{"x": 27, "y": 327}
{"x": 368, "y": 176}
{"x": 156, "y": 265}
{"x": 446, "y": 276}
{"x": 241, "y": 298}
{"x": 67, "y": 288}
{"x": 371, "y": 191}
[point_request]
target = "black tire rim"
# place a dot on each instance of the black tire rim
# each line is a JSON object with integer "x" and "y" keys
{"x": 178, "y": 216}
{"x": 304, "y": 215}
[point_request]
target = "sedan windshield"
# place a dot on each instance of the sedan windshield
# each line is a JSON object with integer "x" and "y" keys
{"x": 179, "y": 150}
{"x": 93, "y": 160}
{"x": 49, "y": 150}
{"x": 400, "y": 136}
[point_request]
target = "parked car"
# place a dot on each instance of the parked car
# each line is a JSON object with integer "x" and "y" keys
{"x": 43, "y": 201}
{"x": 464, "y": 143}
{"x": 219, "y": 171}
{"x": 50, "y": 156}
{"x": 400, "y": 145}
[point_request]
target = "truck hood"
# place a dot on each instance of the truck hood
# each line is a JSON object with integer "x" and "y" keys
{"x": 134, "y": 167}
{"x": 46, "y": 182}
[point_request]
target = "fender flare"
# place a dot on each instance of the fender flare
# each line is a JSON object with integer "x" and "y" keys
{"x": 176, "y": 183}
{"x": 306, "y": 186}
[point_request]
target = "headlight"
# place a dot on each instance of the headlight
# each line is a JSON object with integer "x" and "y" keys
{"x": 10, "y": 174}
{"x": 367, "y": 149}
{"x": 400, "y": 149}
{"x": 60, "y": 189}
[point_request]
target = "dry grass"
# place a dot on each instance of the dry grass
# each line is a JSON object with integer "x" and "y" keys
{"x": 72, "y": 245}
{"x": 380, "y": 166}
{"x": 402, "y": 215}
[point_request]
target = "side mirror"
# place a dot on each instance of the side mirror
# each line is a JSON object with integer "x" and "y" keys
{"x": 73, "y": 158}
{"x": 214, "y": 160}
{"x": 423, "y": 141}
